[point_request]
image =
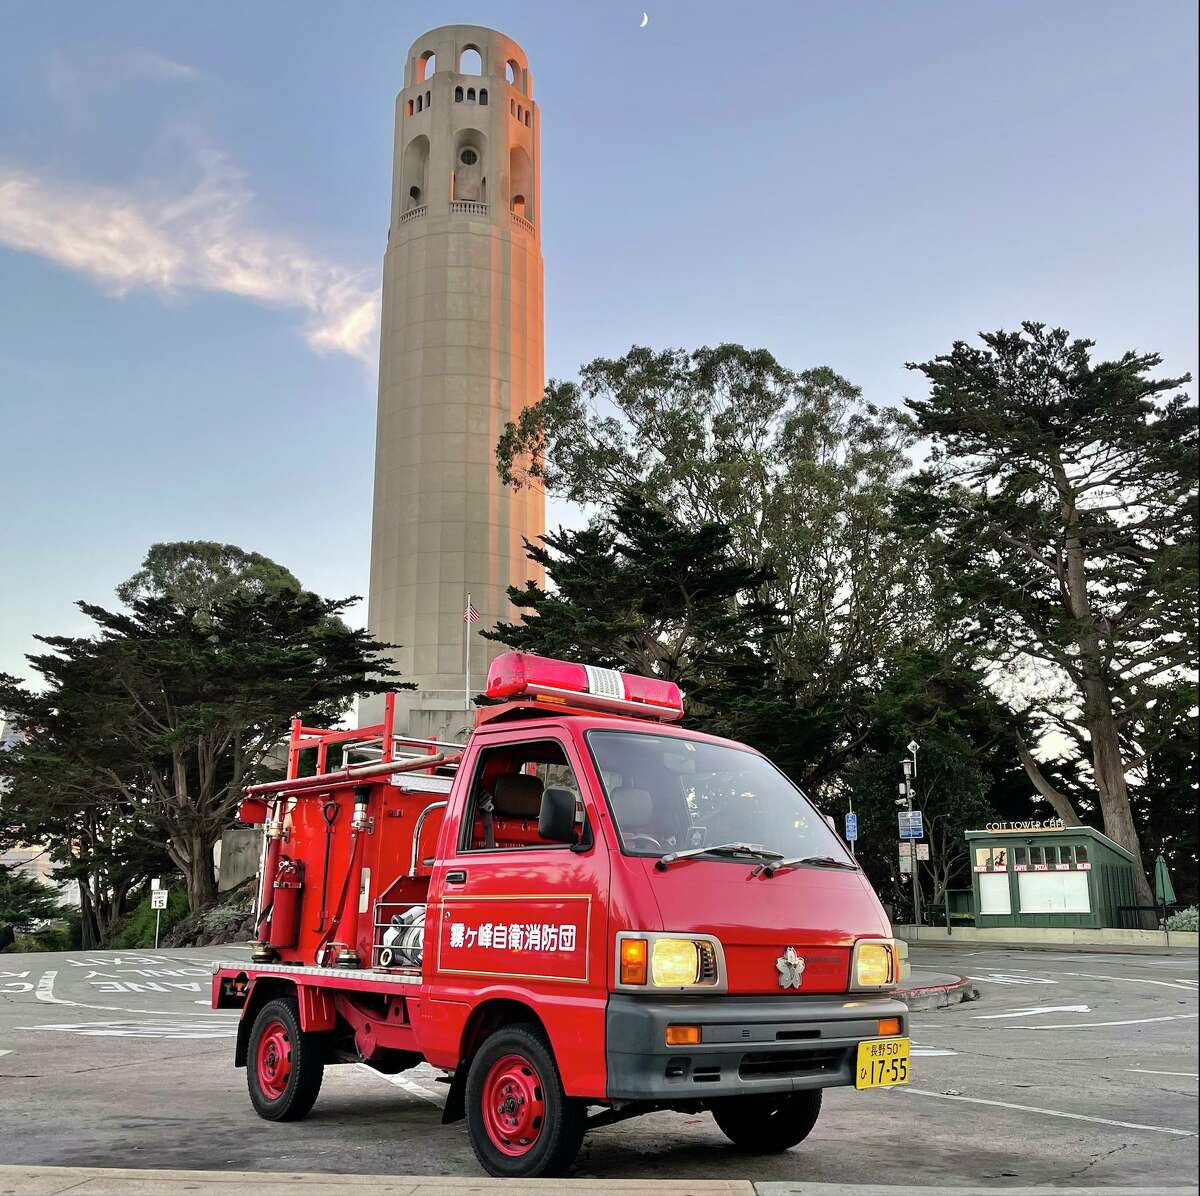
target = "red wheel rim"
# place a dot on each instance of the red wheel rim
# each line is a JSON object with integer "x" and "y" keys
{"x": 514, "y": 1109}
{"x": 273, "y": 1059}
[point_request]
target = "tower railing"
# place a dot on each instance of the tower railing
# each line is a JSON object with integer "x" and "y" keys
{"x": 468, "y": 207}
{"x": 412, "y": 214}
{"x": 522, "y": 223}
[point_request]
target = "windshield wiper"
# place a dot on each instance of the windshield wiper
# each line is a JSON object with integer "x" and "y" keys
{"x": 819, "y": 861}
{"x": 755, "y": 849}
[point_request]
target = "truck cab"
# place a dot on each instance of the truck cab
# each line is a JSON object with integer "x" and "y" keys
{"x": 585, "y": 913}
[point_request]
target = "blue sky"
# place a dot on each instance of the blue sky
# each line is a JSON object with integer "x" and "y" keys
{"x": 194, "y": 199}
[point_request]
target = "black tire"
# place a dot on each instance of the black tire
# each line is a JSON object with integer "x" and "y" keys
{"x": 561, "y": 1127}
{"x": 768, "y": 1123}
{"x": 283, "y": 1097}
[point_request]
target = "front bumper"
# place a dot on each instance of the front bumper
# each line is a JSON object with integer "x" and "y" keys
{"x": 749, "y": 1044}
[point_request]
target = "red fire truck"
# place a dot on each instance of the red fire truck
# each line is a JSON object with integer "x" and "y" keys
{"x": 584, "y": 914}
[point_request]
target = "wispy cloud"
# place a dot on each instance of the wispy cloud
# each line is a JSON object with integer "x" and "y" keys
{"x": 203, "y": 238}
{"x": 74, "y": 76}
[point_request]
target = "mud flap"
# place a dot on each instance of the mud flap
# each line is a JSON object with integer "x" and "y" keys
{"x": 456, "y": 1098}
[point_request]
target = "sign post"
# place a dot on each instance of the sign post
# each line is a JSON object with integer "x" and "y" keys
{"x": 852, "y": 830}
{"x": 911, "y": 824}
{"x": 158, "y": 903}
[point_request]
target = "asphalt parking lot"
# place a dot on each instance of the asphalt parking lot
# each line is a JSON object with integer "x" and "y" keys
{"x": 1075, "y": 1069}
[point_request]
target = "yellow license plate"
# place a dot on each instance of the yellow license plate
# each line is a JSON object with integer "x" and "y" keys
{"x": 882, "y": 1063}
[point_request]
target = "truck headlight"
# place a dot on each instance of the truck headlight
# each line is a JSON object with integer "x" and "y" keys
{"x": 874, "y": 964}
{"x": 674, "y": 963}
{"x": 654, "y": 959}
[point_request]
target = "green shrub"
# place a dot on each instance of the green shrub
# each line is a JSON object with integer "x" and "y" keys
{"x": 137, "y": 928}
{"x": 1183, "y": 919}
{"x": 45, "y": 938}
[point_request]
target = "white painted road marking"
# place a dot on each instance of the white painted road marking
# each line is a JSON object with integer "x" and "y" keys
{"x": 409, "y": 1086}
{"x": 146, "y": 1029}
{"x": 920, "y": 1052}
{"x": 1033, "y": 1012}
{"x": 1009, "y": 978}
{"x": 1184, "y": 986}
{"x": 45, "y": 992}
{"x": 1145, "y": 1071}
{"x": 1136, "y": 1021}
{"x": 1003, "y": 1104}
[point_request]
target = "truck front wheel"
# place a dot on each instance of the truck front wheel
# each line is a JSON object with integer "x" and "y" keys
{"x": 284, "y": 1066}
{"x": 520, "y": 1121}
{"x": 768, "y": 1123}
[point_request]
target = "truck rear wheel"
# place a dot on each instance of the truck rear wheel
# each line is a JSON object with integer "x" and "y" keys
{"x": 520, "y": 1121}
{"x": 284, "y": 1066}
{"x": 768, "y": 1123}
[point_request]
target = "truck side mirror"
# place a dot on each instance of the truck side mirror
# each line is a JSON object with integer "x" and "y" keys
{"x": 556, "y": 816}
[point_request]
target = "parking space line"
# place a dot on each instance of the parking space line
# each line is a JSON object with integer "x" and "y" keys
{"x": 1135, "y": 980}
{"x": 1145, "y": 1071}
{"x": 1134, "y": 1021}
{"x": 1003, "y": 1104}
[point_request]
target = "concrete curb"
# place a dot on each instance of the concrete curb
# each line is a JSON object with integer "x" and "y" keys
{"x": 939, "y": 996}
{"x": 124, "y": 1181}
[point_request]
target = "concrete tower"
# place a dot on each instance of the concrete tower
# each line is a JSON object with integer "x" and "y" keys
{"x": 461, "y": 353}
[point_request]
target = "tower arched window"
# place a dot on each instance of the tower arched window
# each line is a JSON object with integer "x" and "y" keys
{"x": 512, "y": 107}
{"x": 410, "y": 107}
{"x": 470, "y": 95}
{"x": 420, "y": 102}
{"x": 428, "y": 99}
{"x": 470, "y": 61}
{"x": 527, "y": 121}
{"x": 414, "y": 197}
{"x": 469, "y": 166}
{"x": 520, "y": 175}
{"x": 513, "y": 74}
{"x": 458, "y": 95}
{"x": 426, "y": 66}
{"x": 483, "y": 95}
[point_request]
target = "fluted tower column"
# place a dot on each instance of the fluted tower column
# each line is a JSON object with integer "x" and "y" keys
{"x": 461, "y": 353}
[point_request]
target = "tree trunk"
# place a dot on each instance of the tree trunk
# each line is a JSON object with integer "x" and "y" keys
{"x": 89, "y": 931}
{"x": 1108, "y": 766}
{"x": 1059, "y": 801}
{"x": 194, "y": 857}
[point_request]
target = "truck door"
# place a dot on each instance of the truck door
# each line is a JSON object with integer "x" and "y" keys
{"x": 515, "y": 916}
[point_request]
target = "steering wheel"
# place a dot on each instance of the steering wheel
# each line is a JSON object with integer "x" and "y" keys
{"x": 633, "y": 838}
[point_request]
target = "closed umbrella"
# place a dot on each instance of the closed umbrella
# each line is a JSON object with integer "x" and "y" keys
{"x": 1164, "y": 891}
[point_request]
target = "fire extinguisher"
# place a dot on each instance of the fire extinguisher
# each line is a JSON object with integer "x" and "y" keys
{"x": 285, "y": 904}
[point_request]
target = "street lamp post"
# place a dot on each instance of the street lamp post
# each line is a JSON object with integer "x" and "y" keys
{"x": 909, "y": 765}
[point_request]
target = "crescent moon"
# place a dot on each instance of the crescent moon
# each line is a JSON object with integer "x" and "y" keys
{"x": 645, "y": 20}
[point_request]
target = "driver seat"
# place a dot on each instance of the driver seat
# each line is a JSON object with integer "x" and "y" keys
{"x": 634, "y": 809}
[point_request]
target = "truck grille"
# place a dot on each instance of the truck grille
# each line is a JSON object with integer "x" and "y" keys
{"x": 791, "y": 1063}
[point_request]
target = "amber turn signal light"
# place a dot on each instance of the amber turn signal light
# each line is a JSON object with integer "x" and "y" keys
{"x": 683, "y": 1036}
{"x": 889, "y": 1026}
{"x": 633, "y": 961}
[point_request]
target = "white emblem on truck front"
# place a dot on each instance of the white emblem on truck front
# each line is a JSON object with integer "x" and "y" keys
{"x": 790, "y": 967}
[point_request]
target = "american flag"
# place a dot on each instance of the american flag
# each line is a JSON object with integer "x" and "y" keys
{"x": 471, "y": 614}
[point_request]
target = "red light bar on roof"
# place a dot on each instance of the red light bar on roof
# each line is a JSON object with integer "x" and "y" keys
{"x": 522, "y": 675}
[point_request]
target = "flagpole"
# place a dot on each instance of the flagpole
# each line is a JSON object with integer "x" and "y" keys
{"x": 467, "y": 655}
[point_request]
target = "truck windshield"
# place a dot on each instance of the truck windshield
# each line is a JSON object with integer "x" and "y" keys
{"x": 673, "y": 795}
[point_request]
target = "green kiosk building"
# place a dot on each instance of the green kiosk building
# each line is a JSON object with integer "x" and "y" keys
{"x": 1048, "y": 874}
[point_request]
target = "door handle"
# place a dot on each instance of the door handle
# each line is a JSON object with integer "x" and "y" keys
{"x": 457, "y": 877}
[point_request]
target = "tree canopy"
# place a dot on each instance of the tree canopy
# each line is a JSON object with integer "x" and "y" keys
{"x": 147, "y": 730}
{"x": 1061, "y": 494}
